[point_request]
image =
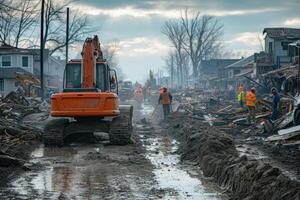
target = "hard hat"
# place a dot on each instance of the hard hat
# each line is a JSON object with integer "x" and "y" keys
{"x": 253, "y": 89}
{"x": 241, "y": 89}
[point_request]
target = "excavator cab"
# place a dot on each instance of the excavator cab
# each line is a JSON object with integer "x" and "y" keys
{"x": 89, "y": 98}
{"x": 104, "y": 77}
{"x": 101, "y": 100}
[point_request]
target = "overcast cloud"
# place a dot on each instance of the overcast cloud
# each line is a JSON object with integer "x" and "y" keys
{"x": 137, "y": 24}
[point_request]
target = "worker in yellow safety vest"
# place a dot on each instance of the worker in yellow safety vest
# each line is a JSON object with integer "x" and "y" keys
{"x": 241, "y": 97}
{"x": 165, "y": 98}
{"x": 251, "y": 105}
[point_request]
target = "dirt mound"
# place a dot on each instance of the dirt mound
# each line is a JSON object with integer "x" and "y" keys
{"x": 216, "y": 154}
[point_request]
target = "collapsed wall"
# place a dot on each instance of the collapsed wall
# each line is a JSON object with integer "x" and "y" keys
{"x": 218, "y": 158}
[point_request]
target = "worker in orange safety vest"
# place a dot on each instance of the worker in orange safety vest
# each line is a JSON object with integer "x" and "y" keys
{"x": 165, "y": 98}
{"x": 251, "y": 105}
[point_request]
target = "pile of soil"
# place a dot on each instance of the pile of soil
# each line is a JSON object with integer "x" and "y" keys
{"x": 216, "y": 154}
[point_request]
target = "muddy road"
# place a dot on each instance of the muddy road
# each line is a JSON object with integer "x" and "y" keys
{"x": 150, "y": 169}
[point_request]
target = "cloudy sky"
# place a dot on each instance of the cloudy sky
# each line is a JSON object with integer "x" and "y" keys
{"x": 137, "y": 25}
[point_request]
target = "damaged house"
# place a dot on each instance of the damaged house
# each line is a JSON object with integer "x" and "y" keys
{"x": 16, "y": 62}
{"x": 277, "y": 41}
{"x": 213, "y": 70}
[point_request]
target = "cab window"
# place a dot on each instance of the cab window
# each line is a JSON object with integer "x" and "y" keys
{"x": 73, "y": 76}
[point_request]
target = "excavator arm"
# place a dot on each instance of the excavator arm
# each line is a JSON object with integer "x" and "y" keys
{"x": 91, "y": 53}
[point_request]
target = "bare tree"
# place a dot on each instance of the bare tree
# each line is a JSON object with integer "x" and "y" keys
{"x": 55, "y": 26}
{"x": 176, "y": 34}
{"x": 7, "y": 22}
{"x": 203, "y": 34}
{"x": 26, "y": 18}
{"x": 110, "y": 51}
{"x": 170, "y": 61}
{"x": 16, "y": 18}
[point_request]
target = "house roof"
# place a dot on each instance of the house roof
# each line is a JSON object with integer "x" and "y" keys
{"x": 211, "y": 66}
{"x": 8, "y": 49}
{"x": 289, "y": 33}
{"x": 244, "y": 73}
{"x": 241, "y": 63}
{"x": 10, "y": 72}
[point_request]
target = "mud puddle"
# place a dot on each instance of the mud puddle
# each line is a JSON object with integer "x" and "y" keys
{"x": 179, "y": 181}
{"x": 85, "y": 171}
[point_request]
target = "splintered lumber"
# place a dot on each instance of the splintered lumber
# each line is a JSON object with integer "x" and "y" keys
{"x": 288, "y": 119}
{"x": 265, "y": 103}
{"x": 223, "y": 109}
{"x": 285, "y": 134}
{"x": 289, "y": 130}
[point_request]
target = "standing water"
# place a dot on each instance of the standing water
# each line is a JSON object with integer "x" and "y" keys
{"x": 178, "y": 180}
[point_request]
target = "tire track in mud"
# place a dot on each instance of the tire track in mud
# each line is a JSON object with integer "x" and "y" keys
{"x": 178, "y": 181}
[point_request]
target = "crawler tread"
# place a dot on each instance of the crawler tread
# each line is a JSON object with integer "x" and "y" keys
{"x": 120, "y": 131}
{"x": 54, "y": 132}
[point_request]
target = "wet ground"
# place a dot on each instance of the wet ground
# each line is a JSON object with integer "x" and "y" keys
{"x": 148, "y": 170}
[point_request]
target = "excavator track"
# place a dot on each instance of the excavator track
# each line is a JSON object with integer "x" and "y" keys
{"x": 54, "y": 132}
{"x": 120, "y": 130}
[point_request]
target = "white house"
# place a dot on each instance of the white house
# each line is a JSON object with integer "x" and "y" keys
{"x": 13, "y": 60}
{"x": 16, "y": 60}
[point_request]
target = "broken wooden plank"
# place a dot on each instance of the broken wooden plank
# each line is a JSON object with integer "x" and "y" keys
{"x": 288, "y": 119}
{"x": 289, "y": 130}
{"x": 284, "y": 134}
{"x": 223, "y": 109}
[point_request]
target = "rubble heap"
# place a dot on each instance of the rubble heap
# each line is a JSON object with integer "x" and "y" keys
{"x": 16, "y": 138}
{"x": 216, "y": 154}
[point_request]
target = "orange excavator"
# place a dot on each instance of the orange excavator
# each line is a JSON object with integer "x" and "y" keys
{"x": 89, "y": 102}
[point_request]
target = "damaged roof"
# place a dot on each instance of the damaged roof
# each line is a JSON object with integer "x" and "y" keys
{"x": 211, "y": 66}
{"x": 241, "y": 63}
{"x": 290, "y": 33}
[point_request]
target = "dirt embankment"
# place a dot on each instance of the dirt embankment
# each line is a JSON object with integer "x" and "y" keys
{"x": 216, "y": 154}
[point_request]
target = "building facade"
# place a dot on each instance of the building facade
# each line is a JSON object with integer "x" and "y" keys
{"x": 277, "y": 41}
{"x": 12, "y": 61}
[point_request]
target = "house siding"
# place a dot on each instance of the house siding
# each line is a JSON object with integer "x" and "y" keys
{"x": 9, "y": 85}
{"x": 16, "y": 61}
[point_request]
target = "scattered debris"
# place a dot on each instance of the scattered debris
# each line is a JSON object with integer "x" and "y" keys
{"x": 16, "y": 138}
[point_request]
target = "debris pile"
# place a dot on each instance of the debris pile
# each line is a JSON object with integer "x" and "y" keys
{"x": 16, "y": 138}
{"x": 215, "y": 152}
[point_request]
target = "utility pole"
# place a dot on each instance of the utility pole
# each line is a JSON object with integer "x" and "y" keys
{"x": 67, "y": 35}
{"x": 42, "y": 50}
